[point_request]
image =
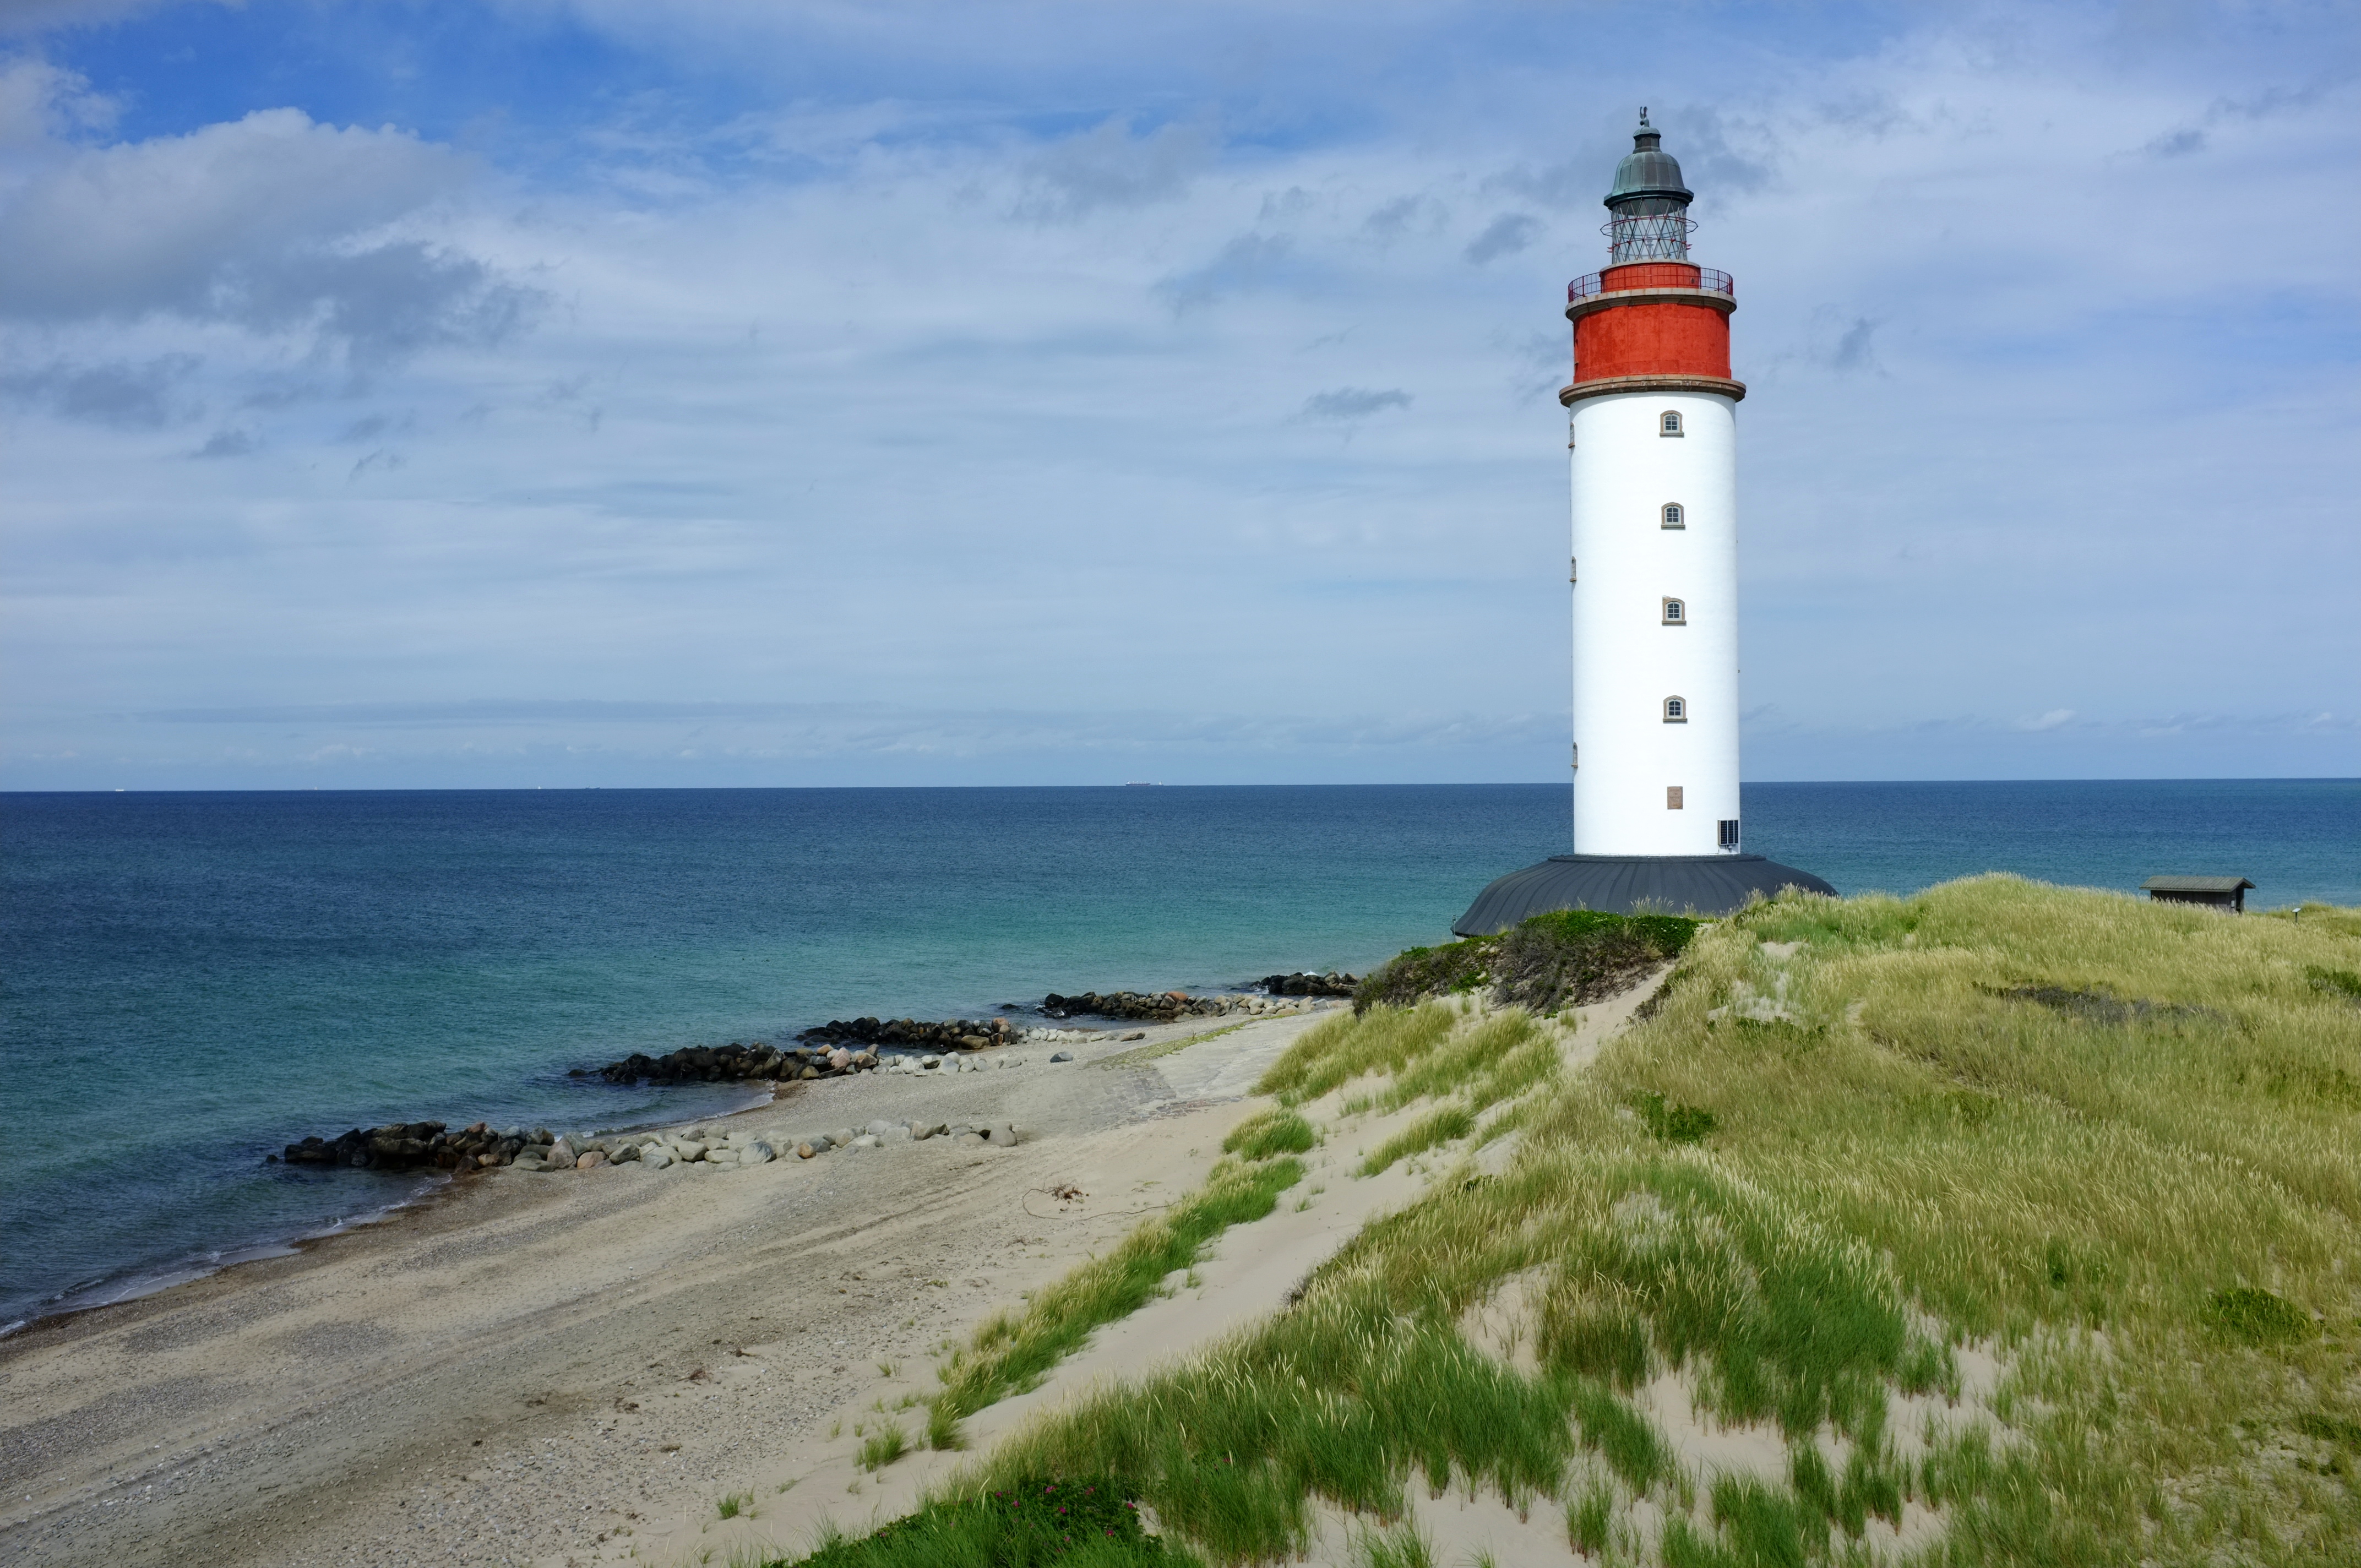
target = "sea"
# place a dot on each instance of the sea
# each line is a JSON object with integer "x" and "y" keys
{"x": 189, "y": 982}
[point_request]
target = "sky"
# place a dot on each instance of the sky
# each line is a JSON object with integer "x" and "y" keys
{"x": 567, "y": 392}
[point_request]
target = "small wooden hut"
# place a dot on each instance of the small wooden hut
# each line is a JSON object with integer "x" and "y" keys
{"x": 2221, "y": 892}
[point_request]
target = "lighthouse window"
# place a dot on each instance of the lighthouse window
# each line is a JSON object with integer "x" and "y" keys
{"x": 1677, "y": 710}
{"x": 1672, "y": 797}
{"x": 1674, "y": 515}
{"x": 1676, "y": 613}
{"x": 1672, "y": 423}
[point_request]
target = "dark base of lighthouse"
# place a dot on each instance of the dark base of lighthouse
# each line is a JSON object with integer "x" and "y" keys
{"x": 1630, "y": 884}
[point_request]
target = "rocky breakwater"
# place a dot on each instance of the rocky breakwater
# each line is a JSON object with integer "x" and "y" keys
{"x": 952, "y": 1035}
{"x": 415, "y": 1146}
{"x": 1303, "y": 982}
{"x": 734, "y": 1063}
{"x": 1171, "y": 1006}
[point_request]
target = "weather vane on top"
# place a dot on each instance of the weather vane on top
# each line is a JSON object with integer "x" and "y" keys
{"x": 1644, "y": 113}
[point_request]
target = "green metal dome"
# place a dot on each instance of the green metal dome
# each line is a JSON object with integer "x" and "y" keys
{"x": 1648, "y": 173}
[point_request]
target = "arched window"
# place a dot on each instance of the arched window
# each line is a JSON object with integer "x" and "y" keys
{"x": 1671, "y": 423}
{"x": 1677, "y": 710}
{"x": 1674, "y": 517}
{"x": 1676, "y": 613}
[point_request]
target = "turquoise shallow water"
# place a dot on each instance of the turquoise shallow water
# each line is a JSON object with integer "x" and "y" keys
{"x": 188, "y": 982}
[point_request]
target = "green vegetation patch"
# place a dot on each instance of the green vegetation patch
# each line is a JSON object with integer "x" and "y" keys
{"x": 1088, "y": 1523}
{"x": 2256, "y": 1317}
{"x": 2338, "y": 982}
{"x": 1675, "y": 1124}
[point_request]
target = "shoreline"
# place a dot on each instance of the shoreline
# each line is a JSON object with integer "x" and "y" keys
{"x": 137, "y": 1281}
{"x": 270, "y": 1406}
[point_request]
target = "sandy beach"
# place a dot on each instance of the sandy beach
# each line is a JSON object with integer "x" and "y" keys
{"x": 576, "y": 1369}
{"x": 536, "y": 1367}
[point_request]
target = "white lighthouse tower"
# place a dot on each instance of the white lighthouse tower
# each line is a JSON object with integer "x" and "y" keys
{"x": 1652, "y": 438}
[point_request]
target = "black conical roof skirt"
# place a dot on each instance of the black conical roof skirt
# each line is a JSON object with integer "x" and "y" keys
{"x": 1630, "y": 884}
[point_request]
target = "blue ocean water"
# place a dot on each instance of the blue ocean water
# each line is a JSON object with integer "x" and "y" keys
{"x": 188, "y": 982}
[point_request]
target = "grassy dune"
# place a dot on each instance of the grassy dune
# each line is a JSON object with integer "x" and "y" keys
{"x": 2111, "y": 1148}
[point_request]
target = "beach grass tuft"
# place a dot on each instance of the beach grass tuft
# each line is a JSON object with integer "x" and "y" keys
{"x": 1277, "y": 1131}
{"x": 883, "y": 1446}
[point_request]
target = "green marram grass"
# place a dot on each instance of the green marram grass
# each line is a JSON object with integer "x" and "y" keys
{"x": 2114, "y": 1145}
{"x": 1277, "y": 1131}
{"x": 1087, "y": 1523}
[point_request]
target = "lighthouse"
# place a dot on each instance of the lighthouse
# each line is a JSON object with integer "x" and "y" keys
{"x": 1651, "y": 439}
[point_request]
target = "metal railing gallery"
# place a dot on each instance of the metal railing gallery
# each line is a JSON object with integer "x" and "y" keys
{"x": 1653, "y": 275}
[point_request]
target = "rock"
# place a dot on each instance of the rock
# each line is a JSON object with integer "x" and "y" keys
{"x": 1003, "y": 1135}
{"x": 865, "y": 1141}
{"x": 704, "y": 1064}
{"x": 1137, "y": 1035}
{"x": 591, "y": 1160}
{"x": 931, "y": 1063}
{"x": 689, "y": 1150}
{"x": 881, "y": 1126}
{"x": 658, "y": 1158}
{"x": 842, "y": 1136}
{"x": 895, "y": 1135}
{"x": 809, "y": 1148}
{"x": 624, "y": 1153}
{"x": 921, "y": 1131}
{"x": 1062, "y": 1056}
{"x": 757, "y": 1152}
{"x": 1304, "y": 983}
{"x": 562, "y": 1152}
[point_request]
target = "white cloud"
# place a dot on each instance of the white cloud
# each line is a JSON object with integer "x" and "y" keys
{"x": 273, "y": 224}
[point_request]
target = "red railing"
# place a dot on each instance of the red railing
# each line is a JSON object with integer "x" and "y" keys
{"x": 1651, "y": 274}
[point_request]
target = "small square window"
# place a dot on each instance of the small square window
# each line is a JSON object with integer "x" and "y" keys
{"x": 1728, "y": 833}
{"x": 1671, "y": 424}
{"x": 1672, "y": 797}
{"x": 1676, "y": 613}
{"x": 1676, "y": 516}
{"x": 1677, "y": 710}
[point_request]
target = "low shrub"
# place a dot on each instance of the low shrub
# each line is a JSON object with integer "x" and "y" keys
{"x": 1455, "y": 968}
{"x": 1578, "y": 955}
{"x": 1548, "y": 962}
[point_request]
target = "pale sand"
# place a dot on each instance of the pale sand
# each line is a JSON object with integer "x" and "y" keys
{"x": 576, "y": 1369}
